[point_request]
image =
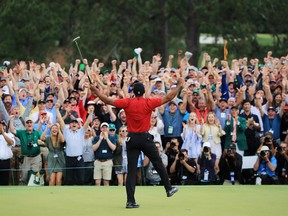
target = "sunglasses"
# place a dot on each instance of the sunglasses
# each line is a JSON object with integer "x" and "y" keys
{"x": 123, "y": 131}
{"x": 29, "y": 122}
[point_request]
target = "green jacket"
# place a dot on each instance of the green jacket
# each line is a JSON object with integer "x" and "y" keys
{"x": 240, "y": 132}
{"x": 29, "y": 142}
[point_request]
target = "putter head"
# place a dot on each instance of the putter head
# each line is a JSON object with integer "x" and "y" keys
{"x": 75, "y": 39}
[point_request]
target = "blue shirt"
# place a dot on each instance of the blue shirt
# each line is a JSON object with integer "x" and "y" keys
{"x": 104, "y": 151}
{"x": 264, "y": 168}
{"x": 42, "y": 129}
{"x": 172, "y": 123}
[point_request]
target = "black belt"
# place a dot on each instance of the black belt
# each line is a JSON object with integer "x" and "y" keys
{"x": 103, "y": 160}
{"x": 138, "y": 132}
{"x": 74, "y": 156}
{"x": 31, "y": 155}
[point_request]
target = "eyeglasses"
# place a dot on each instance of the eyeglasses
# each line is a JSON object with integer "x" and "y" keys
{"x": 123, "y": 131}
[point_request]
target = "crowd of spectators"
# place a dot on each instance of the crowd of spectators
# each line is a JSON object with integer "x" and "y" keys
{"x": 51, "y": 121}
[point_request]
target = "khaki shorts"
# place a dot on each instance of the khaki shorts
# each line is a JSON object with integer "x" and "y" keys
{"x": 103, "y": 170}
{"x": 44, "y": 151}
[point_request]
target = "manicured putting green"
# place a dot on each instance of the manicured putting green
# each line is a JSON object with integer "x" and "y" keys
{"x": 105, "y": 201}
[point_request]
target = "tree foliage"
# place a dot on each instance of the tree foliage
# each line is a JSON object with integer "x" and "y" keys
{"x": 34, "y": 29}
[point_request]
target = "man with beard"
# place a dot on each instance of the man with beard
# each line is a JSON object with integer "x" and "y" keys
{"x": 7, "y": 101}
{"x": 121, "y": 119}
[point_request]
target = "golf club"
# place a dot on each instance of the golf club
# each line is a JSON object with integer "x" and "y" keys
{"x": 75, "y": 40}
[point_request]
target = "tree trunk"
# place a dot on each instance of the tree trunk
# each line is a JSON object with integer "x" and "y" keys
{"x": 193, "y": 35}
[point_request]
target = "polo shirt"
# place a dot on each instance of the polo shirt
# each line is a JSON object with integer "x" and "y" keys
{"x": 138, "y": 112}
{"x": 25, "y": 138}
{"x": 74, "y": 141}
{"x": 5, "y": 149}
{"x": 104, "y": 151}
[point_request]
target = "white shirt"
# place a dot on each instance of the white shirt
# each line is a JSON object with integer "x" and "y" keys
{"x": 35, "y": 116}
{"x": 74, "y": 141}
{"x": 5, "y": 149}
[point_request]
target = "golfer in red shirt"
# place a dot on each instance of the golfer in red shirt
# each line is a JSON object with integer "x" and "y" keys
{"x": 138, "y": 113}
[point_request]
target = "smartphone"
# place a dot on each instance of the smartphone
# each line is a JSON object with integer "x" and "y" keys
{"x": 82, "y": 67}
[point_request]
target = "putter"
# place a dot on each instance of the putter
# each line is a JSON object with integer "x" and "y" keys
{"x": 75, "y": 40}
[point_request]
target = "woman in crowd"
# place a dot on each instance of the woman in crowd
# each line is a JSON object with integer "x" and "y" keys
{"x": 56, "y": 160}
{"x": 211, "y": 132}
{"x": 191, "y": 136}
{"x": 120, "y": 156}
{"x": 156, "y": 125}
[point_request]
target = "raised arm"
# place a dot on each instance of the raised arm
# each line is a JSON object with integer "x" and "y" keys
{"x": 173, "y": 92}
{"x": 59, "y": 117}
{"x": 104, "y": 98}
{"x": 89, "y": 119}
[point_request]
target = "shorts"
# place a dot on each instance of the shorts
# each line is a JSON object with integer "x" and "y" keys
{"x": 103, "y": 170}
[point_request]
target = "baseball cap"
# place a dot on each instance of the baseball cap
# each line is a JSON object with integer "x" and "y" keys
{"x": 119, "y": 113}
{"x": 234, "y": 107}
{"x": 43, "y": 112}
{"x": 223, "y": 99}
{"x": 3, "y": 122}
{"x": 232, "y": 146}
{"x": 112, "y": 127}
{"x": 73, "y": 120}
{"x": 49, "y": 100}
{"x": 271, "y": 108}
{"x": 272, "y": 81}
{"x": 25, "y": 89}
{"x": 172, "y": 102}
{"x": 264, "y": 148}
{"x": 104, "y": 124}
{"x": 138, "y": 89}
{"x": 207, "y": 144}
{"x": 158, "y": 79}
{"x": 28, "y": 119}
{"x": 41, "y": 101}
{"x": 285, "y": 107}
{"x": 66, "y": 101}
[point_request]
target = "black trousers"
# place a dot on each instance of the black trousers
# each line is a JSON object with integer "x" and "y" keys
{"x": 4, "y": 172}
{"x": 142, "y": 142}
{"x": 74, "y": 170}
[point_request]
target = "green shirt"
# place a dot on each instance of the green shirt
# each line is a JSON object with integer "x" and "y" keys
{"x": 29, "y": 142}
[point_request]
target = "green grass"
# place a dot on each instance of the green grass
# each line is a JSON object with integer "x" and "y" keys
{"x": 106, "y": 201}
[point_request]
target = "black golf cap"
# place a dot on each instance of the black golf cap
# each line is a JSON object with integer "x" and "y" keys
{"x": 138, "y": 89}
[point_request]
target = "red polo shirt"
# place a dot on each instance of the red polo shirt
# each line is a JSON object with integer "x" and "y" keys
{"x": 138, "y": 112}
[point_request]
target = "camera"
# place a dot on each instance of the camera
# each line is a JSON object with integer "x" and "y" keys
{"x": 279, "y": 149}
{"x": 229, "y": 151}
{"x": 263, "y": 154}
{"x": 172, "y": 145}
{"x": 267, "y": 139}
{"x": 30, "y": 145}
{"x": 205, "y": 149}
{"x": 202, "y": 86}
{"x": 181, "y": 156}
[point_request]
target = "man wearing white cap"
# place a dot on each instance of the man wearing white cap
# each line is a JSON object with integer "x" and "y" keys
{"x": 103, "y": 147}
{"x": 265, "y": 166}
{"x": 30, "y": 147}
{"x": 206, "y": 161}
